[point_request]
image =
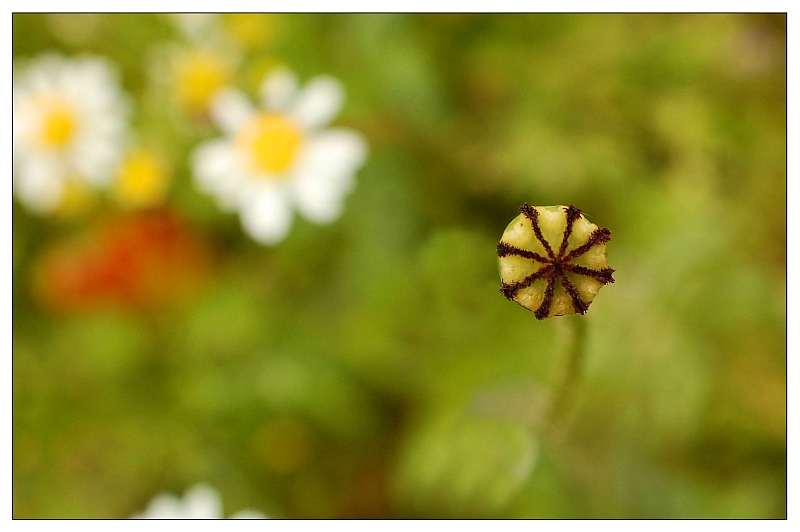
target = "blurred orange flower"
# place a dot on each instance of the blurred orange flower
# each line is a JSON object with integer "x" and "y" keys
{"x": 137, "y": 261}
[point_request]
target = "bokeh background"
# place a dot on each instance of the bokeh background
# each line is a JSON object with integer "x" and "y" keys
{"x": 371, "y": 368}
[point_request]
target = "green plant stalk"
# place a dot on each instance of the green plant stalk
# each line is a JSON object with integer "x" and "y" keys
{"x": 564, "y": 389}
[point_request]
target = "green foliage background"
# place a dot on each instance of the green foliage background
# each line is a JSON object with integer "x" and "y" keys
{"x": 370, "y": 368}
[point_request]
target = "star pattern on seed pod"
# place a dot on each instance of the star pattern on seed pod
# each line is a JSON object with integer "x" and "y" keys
{"x": 547, "y": 278}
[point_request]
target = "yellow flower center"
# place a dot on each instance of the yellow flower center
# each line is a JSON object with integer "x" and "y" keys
{"x": 58, "y": 123}
{"x": 198, "y": 75}
{"x": 141, "y": 180}
{"x": 269, "y": 143}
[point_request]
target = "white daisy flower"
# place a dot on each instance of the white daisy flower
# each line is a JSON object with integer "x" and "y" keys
{"x": 280, "y": 157}
{"x": 70, "y": 122}
{"x": 201, "y": 501}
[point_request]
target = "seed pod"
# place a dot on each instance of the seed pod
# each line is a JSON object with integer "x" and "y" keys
{"x": 553, "y": 260}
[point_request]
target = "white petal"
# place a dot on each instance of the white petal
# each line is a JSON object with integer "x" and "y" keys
{"x": 319, "y": 203}
{"x": 318, "y": 102}
{"x": 41, "y": 76}
{"x": 95, "y": 159}
{"x": 278, "y": 88}
{"x": 99, "y": 100}
{"x": 216, "y": 173}
{"x": 110, "y": 126}
{"x": 230, "y": 109}
{"x": 20, "y": 94}
{"x": 325, "y": 173}
{"x": 26, "y": 123}
{"x": 266, "y": 214}
{"x": 248, "y": 514}
{"x": 195, "y": 26}
{"x": 211, "y": 161}
{"x": 334, "y": 153}
{"x": 164, "y": 506}
{"x": 229, "y": 192}
{"x": 202, "y": 502}
{"x": 39, "y": 183}
{"x": 90, "y": 73}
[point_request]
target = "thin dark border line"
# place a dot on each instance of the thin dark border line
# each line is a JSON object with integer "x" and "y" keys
{"x": 786, "y": 228}
{"x": 399, "y": 12}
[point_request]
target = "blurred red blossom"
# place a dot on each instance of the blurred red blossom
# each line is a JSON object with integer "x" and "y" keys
{"x": 136, "y": 261}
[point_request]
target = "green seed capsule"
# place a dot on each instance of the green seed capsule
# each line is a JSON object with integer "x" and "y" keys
{"x": 553, "y": 260}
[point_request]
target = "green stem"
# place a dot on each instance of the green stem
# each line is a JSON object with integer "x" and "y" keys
{"x": 564, "y": 389}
